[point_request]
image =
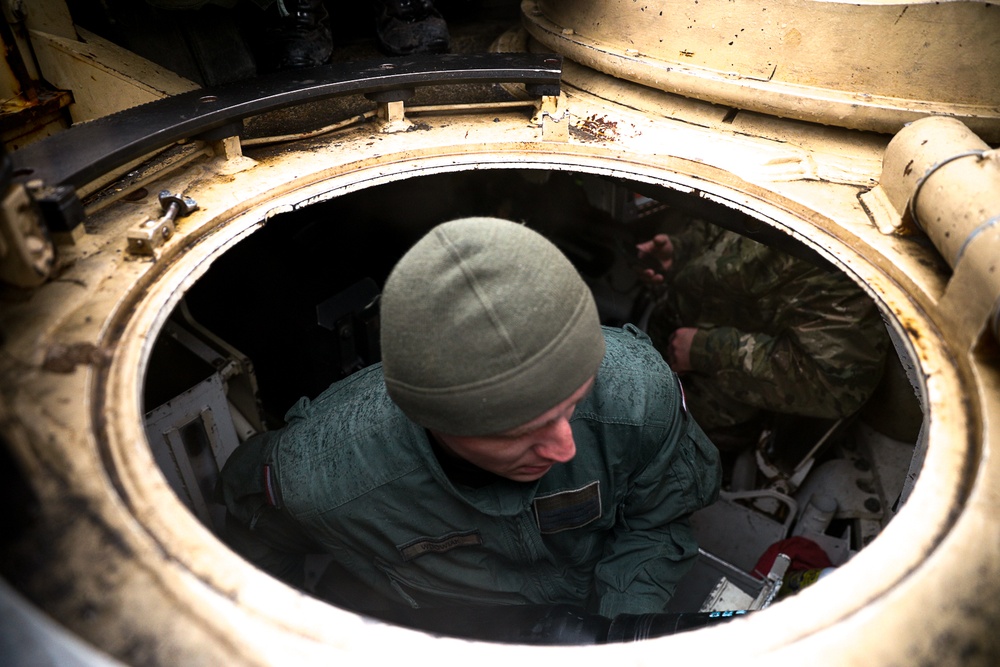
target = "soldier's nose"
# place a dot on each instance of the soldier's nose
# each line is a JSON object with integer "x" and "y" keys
{"x": 557, "y": 444}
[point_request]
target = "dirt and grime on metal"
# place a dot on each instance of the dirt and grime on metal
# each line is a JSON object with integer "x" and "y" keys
{"x": 595, "y": 128}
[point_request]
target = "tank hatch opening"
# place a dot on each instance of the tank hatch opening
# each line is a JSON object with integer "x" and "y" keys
{"x": 811, "y": 473}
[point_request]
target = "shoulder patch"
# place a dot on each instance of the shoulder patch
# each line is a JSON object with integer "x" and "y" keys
{"x": 567, "y": 510}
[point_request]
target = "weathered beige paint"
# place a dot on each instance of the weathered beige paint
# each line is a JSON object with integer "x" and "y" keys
{"x": 49, "y": 16}
{"x": 103, "y": 77}
{"x": 865, "y": 65}
{"x": 945, "y": 180}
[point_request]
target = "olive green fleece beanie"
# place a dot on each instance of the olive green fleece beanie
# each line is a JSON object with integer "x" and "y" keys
{"x": 485, "y": 326}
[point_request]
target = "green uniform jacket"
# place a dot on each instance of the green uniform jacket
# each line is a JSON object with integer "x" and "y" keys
{"x": 608, "y": 530}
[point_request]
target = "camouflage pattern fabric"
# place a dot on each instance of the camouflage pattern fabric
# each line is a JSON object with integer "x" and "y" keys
{"x": 776, "y": 333}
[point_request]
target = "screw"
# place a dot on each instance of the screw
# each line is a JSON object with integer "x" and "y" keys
{"x": 174, "y": 206}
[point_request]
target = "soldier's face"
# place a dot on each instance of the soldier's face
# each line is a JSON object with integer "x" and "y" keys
{"x": 527, "y": 452}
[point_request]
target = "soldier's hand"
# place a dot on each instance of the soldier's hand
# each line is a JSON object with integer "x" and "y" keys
{"x": 660, "y": 250}
{"x": 679, "y": 349}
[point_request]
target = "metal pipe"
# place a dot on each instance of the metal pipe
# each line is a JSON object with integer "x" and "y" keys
{"x": 945, "y": 181}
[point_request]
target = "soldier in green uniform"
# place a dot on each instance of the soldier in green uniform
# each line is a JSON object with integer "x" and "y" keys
{"x": 755, "y": 331}
{"x": 508, "y": 450}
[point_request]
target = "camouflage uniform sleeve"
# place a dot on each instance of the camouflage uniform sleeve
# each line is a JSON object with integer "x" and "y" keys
{"x": 692, "y": 241}
{"x": 824, "y": 358}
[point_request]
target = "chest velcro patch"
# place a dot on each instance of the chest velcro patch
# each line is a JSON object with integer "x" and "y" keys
{"x": 566, "y": 510}
{"x": 439, "y": 545}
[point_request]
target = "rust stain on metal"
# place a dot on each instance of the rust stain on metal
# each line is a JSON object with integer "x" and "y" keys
{"x": 600, "y": 127}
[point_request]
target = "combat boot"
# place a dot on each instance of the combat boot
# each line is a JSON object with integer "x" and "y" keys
{"x": 301, "y": 37}
{"x": 405, "y": 27}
